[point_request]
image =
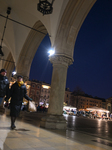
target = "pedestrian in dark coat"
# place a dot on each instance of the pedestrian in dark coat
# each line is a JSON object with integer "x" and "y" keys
{"x": 4, "y": 85}
{"x": 17, "y": 92}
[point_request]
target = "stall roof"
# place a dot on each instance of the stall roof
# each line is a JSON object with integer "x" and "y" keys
{"x": 98, "y": 109}
{"x": 69, "y": 107}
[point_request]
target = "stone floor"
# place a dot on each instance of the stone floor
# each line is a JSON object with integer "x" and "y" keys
{"x": 31, "y": 137}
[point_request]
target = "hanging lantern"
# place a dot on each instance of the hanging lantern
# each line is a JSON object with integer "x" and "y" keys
{"x": 45, "y": 6}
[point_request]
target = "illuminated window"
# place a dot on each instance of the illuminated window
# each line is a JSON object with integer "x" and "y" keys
{"x": 45, "y": 86}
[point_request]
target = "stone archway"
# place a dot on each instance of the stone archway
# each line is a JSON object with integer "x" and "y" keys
{"x": 29, "y": 49}
{"x": 71, "y": 21}
{"x": 70, "y": 24}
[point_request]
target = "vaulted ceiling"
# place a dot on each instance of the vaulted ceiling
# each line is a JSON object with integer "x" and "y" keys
{"x": 62, "y": 25}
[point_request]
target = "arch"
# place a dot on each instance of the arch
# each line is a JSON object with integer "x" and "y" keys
{"x": 71, "y": 21}
{"x": 29, "y": 49}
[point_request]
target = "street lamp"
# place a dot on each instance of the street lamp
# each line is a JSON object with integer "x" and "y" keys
{"x": 45, "y": 7}
{"x": 51, "y": 52}
{"x": 14, "y": 72}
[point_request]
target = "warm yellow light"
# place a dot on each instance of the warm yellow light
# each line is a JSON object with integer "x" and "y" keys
{"x": 28, "y": 86}
{"x": 11, "y": 83}
{"x": 45, "y": 86}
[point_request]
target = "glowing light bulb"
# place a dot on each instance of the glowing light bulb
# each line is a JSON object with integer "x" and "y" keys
{"x": 51, "y": 52}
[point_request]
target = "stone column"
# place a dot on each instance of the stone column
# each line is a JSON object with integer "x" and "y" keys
{"x": 54, "y": 118}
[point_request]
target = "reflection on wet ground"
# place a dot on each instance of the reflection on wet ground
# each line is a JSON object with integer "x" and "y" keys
{"x": 103, "y": 142}
{"x": 81, "y": 134}
{"x": 99, "y": 128}
{"x": 94, "y": 127}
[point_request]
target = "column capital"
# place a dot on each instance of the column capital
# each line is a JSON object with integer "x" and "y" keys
{"x": 61, "y": 59}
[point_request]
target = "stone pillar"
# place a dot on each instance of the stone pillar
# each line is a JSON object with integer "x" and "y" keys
{"x": 54, "y": 118}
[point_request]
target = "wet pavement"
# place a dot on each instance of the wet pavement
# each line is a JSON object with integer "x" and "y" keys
{"x": 81, "y": 134}
{"x": 95, "y": 127}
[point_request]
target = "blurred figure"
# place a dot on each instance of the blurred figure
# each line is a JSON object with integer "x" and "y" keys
{"x": 4, "y": 85}
{"x": 102, "y": 116}
{"x": 110, "y": 116}
{"x": 17, "y": 92}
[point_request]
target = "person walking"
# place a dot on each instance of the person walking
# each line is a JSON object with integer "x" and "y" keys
{"x": 4, "y": 85}
{"x": 17, "y": 92}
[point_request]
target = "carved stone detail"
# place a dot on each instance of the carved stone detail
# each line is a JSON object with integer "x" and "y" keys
{"x": 61, "y": 59}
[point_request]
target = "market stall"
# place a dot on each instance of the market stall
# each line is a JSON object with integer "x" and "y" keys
{"x": 97, "y": 112}
{"x": 69, "y": 110}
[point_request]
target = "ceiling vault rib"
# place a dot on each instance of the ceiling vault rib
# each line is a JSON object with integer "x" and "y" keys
{"x": 25, "y": 25}
{"x": 7, "y": 60}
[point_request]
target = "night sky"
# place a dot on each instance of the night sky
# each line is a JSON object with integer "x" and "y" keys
{"x": 92, "y": 67}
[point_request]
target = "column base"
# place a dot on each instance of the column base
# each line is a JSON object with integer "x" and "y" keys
{"x": 53, "y": 122}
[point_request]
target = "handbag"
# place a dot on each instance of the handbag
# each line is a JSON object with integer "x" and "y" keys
{"x": 31, "y": 106}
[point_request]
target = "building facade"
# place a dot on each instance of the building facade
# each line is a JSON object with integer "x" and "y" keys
{"x": 40, "y": 92}
{"x": 109, "y": 104}
{"x": 35, "y": 91}
{"x": 83, "y": 102}
{"x": 67, "y": 96}
{"x": 45, "y": 93}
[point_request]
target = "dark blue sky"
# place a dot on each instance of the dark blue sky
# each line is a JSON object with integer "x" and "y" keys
{"x": 92, "y": 67}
